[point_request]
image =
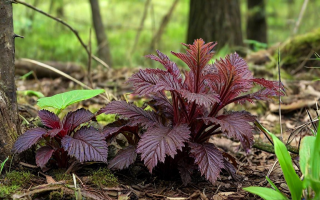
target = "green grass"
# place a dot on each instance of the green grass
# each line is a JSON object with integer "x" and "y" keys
{"x": 46, "y": 39}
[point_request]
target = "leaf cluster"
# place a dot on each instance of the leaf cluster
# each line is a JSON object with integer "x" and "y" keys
{"x": 309, "y": 164}
{"x": 61, "y": 139}
{"x": 186, "y": 111}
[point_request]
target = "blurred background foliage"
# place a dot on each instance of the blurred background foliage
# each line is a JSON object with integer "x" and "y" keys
{"x": 46, "y": 39}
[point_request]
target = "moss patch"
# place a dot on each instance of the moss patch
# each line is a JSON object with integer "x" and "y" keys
{"x": 294, "y": 51}
{"x": 104, "y": 178}
{"x": 59, "y": 175}
{"x": 17, "y": 178}
{"x": 6, "y": 191}
{"x": 56, "y": 195}
{"x": 14, "y": 181}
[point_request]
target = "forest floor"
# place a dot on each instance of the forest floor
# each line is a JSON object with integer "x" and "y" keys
{"x": 136, "y": 182}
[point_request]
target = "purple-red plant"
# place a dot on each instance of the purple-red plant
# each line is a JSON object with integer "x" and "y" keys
{"x": 185, "y": 112}
{"x": 60, "y": 140}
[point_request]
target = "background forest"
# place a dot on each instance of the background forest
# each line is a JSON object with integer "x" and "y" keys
{"x": 46, "y": 39}
{"x": 85, "y": 114}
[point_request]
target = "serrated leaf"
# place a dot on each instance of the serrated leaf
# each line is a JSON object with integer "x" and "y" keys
{"x": 236, "y": 125}
{"x": 198, "y": 54}
{"x": 208, "y": 158}
{"x": 157, "y": 142}
{"x": 124, "y": 158}
{"x": 135, "y": 114}
{"x": 200, "y": 98}
{"x": 61, "y": 101}
{"x": 76, "y": 118}
{"x": 43, "y": 155}
{"x": 49, "y": 119}
{"x": 87, "y": 144}
{"x": 29, "y": 138}
{"x": 144, "y": 83}
{"x": 265, "y": 193}
{"x": 171, "y": 67}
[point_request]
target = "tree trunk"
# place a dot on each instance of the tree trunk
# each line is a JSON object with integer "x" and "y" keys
{"x": 9, "y": 127}
{"x": 256, "y": 21}
{"x": 103, "y": 45}
{"x": 215, "y": 20}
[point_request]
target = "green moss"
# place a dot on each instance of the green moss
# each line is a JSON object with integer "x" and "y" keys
{"x": 297, "y": 49}
{"x": 13, "y": 181}
{"x": 104, "y": 178}
{"x": 56, "y": 195}
{"x": 6, "y": 191}
{"x": 59, "y": 175}
{"x": 20, "y": 179}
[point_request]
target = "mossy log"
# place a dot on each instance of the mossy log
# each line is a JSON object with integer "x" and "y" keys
{"x": 296, "y": 54}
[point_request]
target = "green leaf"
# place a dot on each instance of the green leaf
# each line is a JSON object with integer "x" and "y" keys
{"x": 32, "y": 93}
{"x": 306, "y": 148}
{"x": 315, "y": 155}
{"x": 61, "y": 101}
{"x": 3, "y": 163}
{"x": 293, "y": 181}
{"x": 314, "y": 163}
{"x": 266, "y": 193}
{"x": 273, "y": 185}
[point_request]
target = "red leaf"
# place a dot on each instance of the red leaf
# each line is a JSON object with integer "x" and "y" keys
{"x": 157, "y": 142}
{"x": 29, "y": 138}
{"x": 208, "y": 158}
{"x": 43, "y": 155}
{"x": 124, "y": 158}
{"x": 236, "y": 125}
{"x": 263, "y": 94}
{"x": 168, "y": 82}
{"x": 49, "y": 119}
{"x": 269, "y": 84}
{"x": 198, "y": 55}
{"x": 151, "y": 81}
{"x": 168, "y": 64}
{"x": 87, "y": 144}
{"x": 231, "y": 78}
{"x": 109, "y": 132}
{"x": 135, "y": 114}
{"x": 144, "y": 83}
{"x": 76, "y": 118}
{"x": 200, "y": 98}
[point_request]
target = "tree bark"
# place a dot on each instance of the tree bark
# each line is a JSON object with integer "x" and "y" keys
{"x": 256, "y": 21}
{"x": 9, "y": 126}
{"x": 102, "y": 40}
{"x": 215, "y": 20}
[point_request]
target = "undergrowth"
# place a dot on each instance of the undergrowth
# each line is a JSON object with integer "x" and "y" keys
{"x": 104, "y": 178}
{"x": 14, "y": 181}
